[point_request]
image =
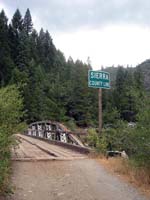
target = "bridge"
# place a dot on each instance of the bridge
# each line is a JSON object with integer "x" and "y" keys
{"x": 47, "y": 140}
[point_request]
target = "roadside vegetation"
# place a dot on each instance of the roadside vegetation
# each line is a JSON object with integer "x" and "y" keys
{"x": 135, "y": 141}
{"x": 126, "y": 170}
{"x": 10, "y": 114}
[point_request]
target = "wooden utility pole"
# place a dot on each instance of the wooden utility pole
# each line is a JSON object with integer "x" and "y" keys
{"x": 100, "y": 110}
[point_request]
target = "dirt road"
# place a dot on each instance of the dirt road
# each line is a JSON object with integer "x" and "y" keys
{"x": 56, "y": 173}
{"x": 68, "y": 180}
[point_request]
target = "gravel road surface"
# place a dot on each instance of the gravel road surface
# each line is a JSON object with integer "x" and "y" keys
{"x": 68, "y": 180}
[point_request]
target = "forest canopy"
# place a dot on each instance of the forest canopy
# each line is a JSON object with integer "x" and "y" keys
{"x": 55, "y": 88}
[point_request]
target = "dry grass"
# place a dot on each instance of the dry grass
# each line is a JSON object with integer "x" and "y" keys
{"x": 139, "y": 177}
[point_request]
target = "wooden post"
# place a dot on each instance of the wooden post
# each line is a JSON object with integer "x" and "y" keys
{"x": 100, "y": 109}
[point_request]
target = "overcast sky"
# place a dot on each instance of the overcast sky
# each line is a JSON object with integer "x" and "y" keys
{"x": 110, "y": 32}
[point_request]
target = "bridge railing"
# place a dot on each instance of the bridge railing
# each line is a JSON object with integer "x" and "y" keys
{"x": 51, "y": 131}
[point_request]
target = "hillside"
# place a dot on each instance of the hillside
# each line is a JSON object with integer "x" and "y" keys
{"x": 144, "y": 67}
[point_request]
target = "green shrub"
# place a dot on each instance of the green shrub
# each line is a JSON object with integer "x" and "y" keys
{"x": 71, "y": 124}
{"x": 92, "y": 137}
{"x": 102, "y": 144}
{"x": 135, "y": 141}
{"x": 10, "y": 113}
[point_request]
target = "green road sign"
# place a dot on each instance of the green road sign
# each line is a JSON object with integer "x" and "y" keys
{"x": 99, "y": 79}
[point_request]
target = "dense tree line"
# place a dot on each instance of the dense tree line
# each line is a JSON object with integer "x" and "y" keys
{"x": 52, "y": 87}
{"x": 126, "y": 96}
{"x": 55, "y": 88}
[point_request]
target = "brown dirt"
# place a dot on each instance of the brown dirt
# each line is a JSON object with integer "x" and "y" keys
{"x": 68, "y": 180}
{"x": 123, "y": 170}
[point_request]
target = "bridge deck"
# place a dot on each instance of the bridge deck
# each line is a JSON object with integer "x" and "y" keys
{"x": 33, "y": 149}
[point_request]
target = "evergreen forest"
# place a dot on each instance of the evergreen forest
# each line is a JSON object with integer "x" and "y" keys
{"x": 55, "y": 88}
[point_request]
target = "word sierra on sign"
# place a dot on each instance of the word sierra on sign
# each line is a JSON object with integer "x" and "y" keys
{"x": 99, "y": 75}
{"x": 99, "y": 79}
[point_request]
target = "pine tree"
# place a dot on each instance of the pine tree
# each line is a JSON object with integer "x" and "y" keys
{"x": 6, "y": 64}
{"x": 139, "y": 78}
{"x": 46, "y": 50}
{"x": 119, "y": 88}
{"x": 127, "y": 94}
{"x": 15, "y": 29}
{"x": 40, "y": 46}
{"x": 17, "y": 22}
{"x": 27, "y": 22}
{"x": 33, "y": 45}
{"x": 23, "y": 57}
